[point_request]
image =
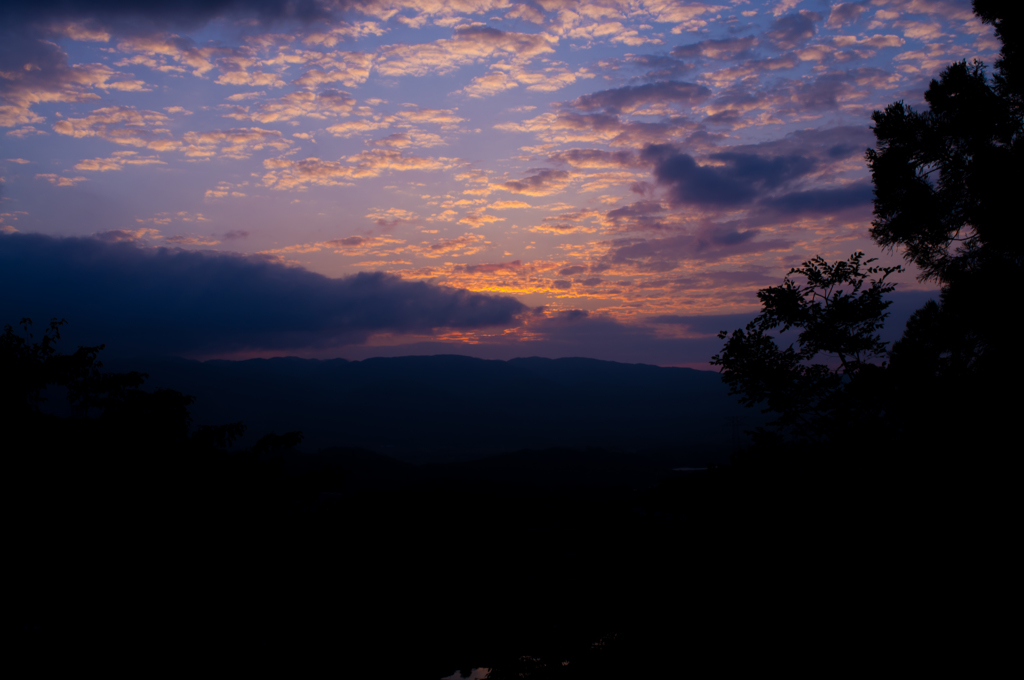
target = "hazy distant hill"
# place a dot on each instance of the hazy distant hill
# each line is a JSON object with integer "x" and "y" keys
{"x": 436, "y": 408}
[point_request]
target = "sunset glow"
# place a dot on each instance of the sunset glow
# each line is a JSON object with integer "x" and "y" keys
{"x": 625, "y": 166}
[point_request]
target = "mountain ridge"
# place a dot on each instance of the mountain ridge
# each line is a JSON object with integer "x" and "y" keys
{"x": 453, "y": 407}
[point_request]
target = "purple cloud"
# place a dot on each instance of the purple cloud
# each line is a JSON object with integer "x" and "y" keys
{"x": 175, "y": 301}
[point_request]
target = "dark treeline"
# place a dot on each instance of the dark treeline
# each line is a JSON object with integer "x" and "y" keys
{"x": 843, "y": 537}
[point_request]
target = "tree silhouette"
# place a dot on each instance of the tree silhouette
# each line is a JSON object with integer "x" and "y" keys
{"x": 946, "y": 183}
{"x": 838, "y": 310}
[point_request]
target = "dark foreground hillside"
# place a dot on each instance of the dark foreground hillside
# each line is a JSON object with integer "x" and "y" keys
{"x": 434, "y": 408}
{"x": 143, "y": 542}
{"x": 559, "y": 563}
{"x": 139, "y": 546}
{"x": 571, "y": 564}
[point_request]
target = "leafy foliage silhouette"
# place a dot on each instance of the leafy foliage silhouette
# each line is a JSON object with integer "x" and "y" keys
{"x": 32, "y": 366}
{"x": 838, "y": 310}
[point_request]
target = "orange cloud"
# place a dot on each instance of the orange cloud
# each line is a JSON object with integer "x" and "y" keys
{"x": 60, "y": 181}
{"x": 233, "y": 143}
{"x": 117, "y": 162}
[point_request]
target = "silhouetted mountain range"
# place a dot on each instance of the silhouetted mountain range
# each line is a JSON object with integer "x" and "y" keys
{"x": 445, "y": 408}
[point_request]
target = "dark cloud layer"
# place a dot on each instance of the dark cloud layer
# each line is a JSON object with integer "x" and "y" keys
{"x": 737, "y": 179}
{"x": 173, "y": 301}
{"x": 708, "y": 244}
{"x": 823, "y": 144}
{"x": 189, "y": 13}
{"x": 822, "y": 200}
{"x": 767, "y": 176}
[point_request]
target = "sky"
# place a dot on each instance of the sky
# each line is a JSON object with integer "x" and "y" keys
{"x": 613, "y": 179}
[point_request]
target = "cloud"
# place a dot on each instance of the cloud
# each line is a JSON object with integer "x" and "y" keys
{"x": 348, "y": 68}
{"x": 659, "y": 66}
{"x": 127, "y": 235}
{"x": 490, "y": 84}
{"x": 412, "y": 138}
{"x": 613, "y": 31}
{"x": 579, "y": 333}
{"x": 117, "y": 161}
{"x": 319, "y": 105}
{"x": 638, "y": 216}
{"x": 60, "y": 181}
{"x": 828, "y": 91}
{"x": 792, "y": 30}
{"x": 355, "y": 127}
{"x": 446, "y": 118}
{"x": 390, "y": 217}
{"x": 824, "y": 144}
{"x": 710, "y": 244}
{"x": 708, "y": 325}
{"x": 373, "y": 163}
{"x": 632, "y": 97}
{"x": 172, "y": 301}
{"x": 467, "y": 244}
{"x": 350, "y": 246}
{"x": 85, "y": 31}
{"x": 733, "y": 180}
{"x": 736, "y": 75}
{"x": 470, "y": 43}
{"x": 192, "y": 240}
{"x": 284, "y": 173}
{"x": 503, "y": 77}
{"x": 123, "y": 125}
{"x": 167, "y": 217}
{"x": 542, "y": 183}
{"x": 594, "y": 158}
{"x": 784, "y": 6}
{"x": 34, "y": 71}
{"x": 568, "y": 127}
{"x": 845, "y": 13}
{"x": 235, "y": 143}
{"x": 488, "y": 268}
{"x": 344, "y": 31}
{"x": 562, "y": 228}
{"x": 25, "y": 131}
{"x": 507, "y": 205}
{"x": 527, "y": 13}
{"x": 873, "y": 42}
{"x": 725, "y": 49}
{"x": 154, "y": 51}
{"x": 128, "y": 16}
{"x": 822, "y": 201}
